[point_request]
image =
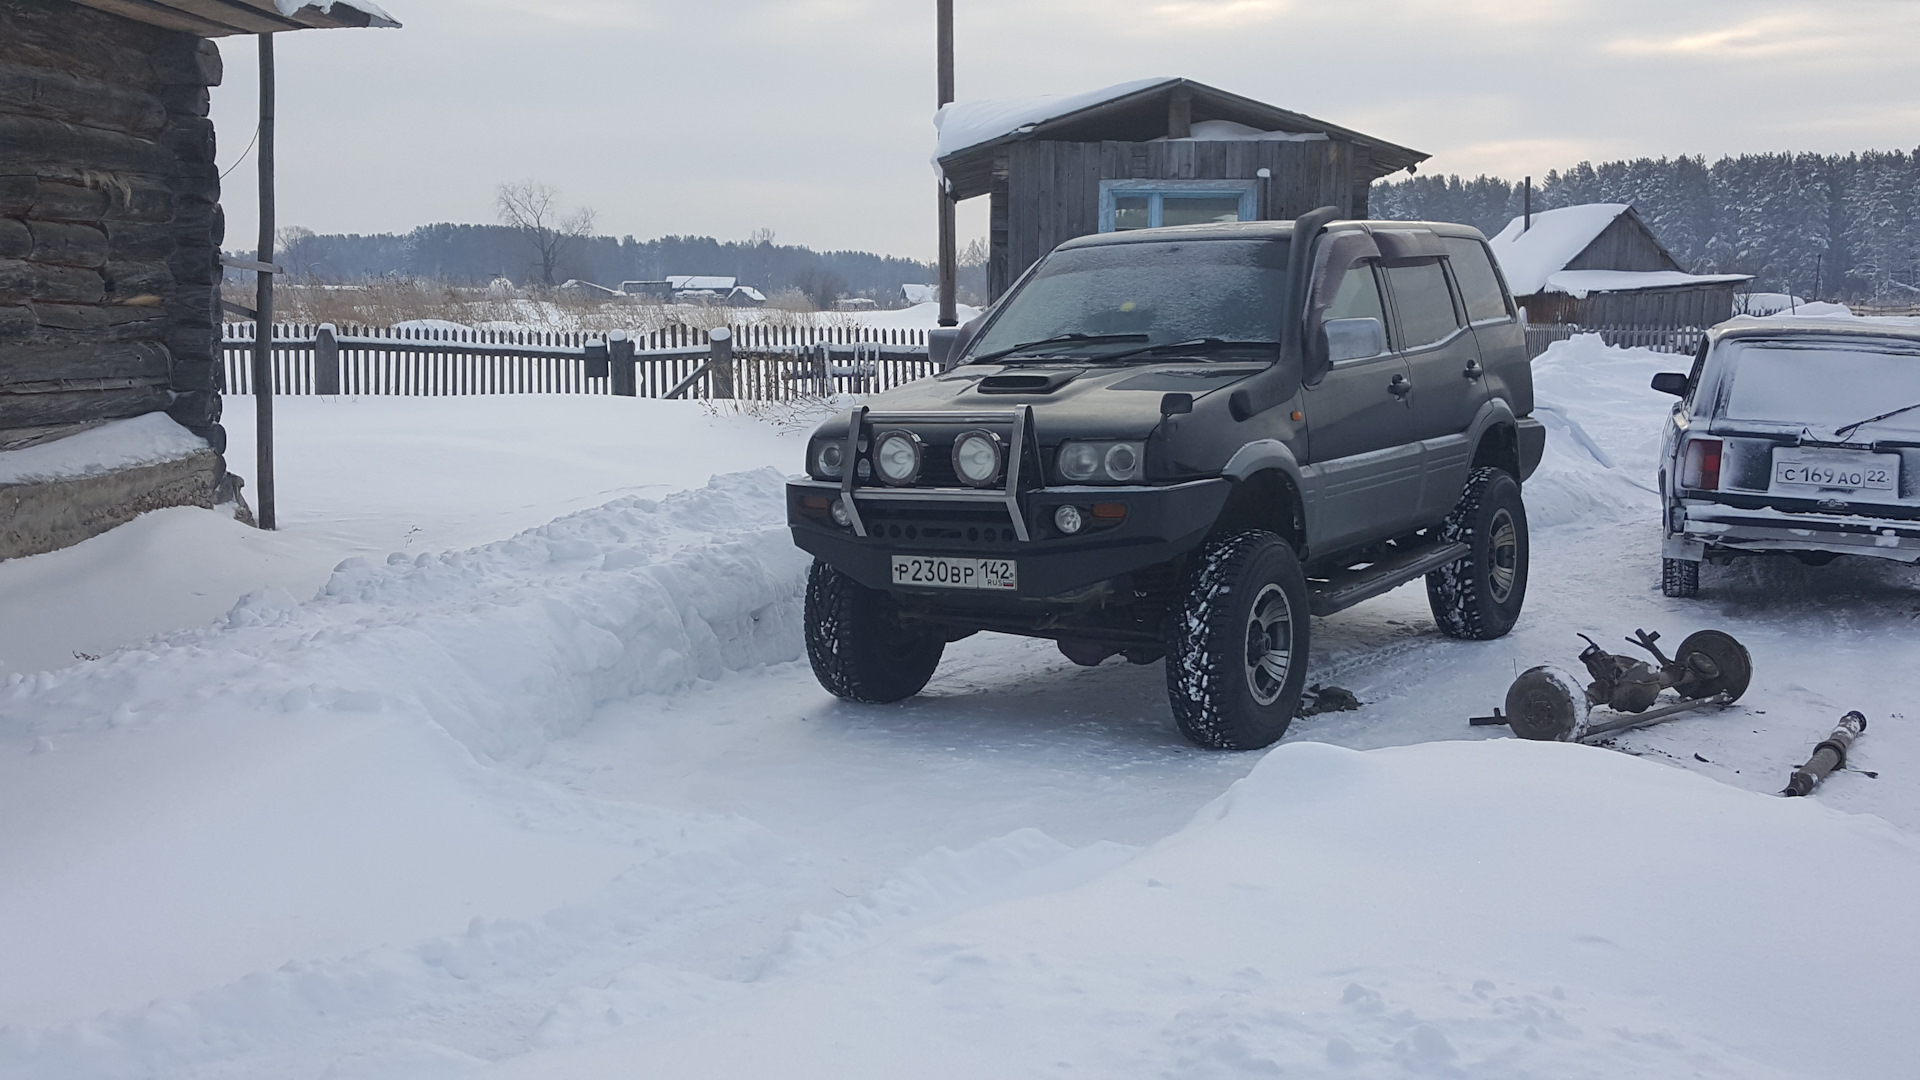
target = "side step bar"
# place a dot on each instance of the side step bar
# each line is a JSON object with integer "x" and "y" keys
{"x": 1349, "y": 587}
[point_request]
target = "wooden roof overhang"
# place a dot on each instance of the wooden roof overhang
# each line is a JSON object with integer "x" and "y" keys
{"x": 226, "y": 18}
{"x": 1143, "y": 116}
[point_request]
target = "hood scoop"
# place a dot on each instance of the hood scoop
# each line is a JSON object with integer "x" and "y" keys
{"x": 1027, "y": 382}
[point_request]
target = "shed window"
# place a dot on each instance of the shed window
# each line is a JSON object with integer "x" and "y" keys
{"x": 1150, "y": 204}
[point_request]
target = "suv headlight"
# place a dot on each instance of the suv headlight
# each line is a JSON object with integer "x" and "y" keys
{"x": 896, "y": 457}
{"x": 829, "y": 459}
{"x": 976, "y": 458}
{"x": 1102, "y": 462}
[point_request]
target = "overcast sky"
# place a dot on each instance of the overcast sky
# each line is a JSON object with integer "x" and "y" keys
{"x": 813, "y": 118}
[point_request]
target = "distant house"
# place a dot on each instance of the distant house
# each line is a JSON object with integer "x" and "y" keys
{"x": 589, "y": 290}
{"x": 855, "y": 303}
{"x": 1599, "y": 265}
{"x": 920, "y": 294}
{"x": 1142, "y": 154}
{"x": 110, "y": 263}
{"x": 697, "y": 289}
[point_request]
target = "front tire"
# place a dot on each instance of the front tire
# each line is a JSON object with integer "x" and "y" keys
{"x": 1479, "y": 597}
{"x": 856, "y": 643}
{"x": 1238, "y": 651}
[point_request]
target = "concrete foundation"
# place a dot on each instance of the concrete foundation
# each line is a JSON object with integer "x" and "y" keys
{"x": 49, "y": 515}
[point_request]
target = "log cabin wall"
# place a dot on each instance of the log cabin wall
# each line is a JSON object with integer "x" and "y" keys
{"x": 1051, "y": 190}
{"x": 1679, "y": 306}
{"x": 110, "y": 224}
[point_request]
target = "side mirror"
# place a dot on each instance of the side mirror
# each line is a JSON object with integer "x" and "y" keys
{"x": 1353, "y": 339}
{"x": 940, "y": 345}
{"x": 1671, "y": 382}
{"x": 1176, "y": 404}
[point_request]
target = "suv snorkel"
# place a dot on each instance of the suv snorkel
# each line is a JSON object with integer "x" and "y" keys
{"x": 1276, "y": 384}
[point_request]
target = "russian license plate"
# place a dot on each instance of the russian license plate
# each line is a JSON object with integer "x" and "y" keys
{"x": 939, "y": 572}
{"x": 1837, "y": 470}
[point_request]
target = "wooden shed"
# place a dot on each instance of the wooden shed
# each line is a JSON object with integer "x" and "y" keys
{"x": 1600, "y": 265}
{"x": 1142, "y": 154}
{"x": 110, "y": 234}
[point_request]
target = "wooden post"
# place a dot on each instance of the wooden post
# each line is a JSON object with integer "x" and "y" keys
{"x": 720, "y": 364}
{"x": 949, "y": 242}
{"x": 263, "y": 301}
{"x": 1180, "y": 114}
{"x": 620, "y": 363}
{"x": 326, "y": 361}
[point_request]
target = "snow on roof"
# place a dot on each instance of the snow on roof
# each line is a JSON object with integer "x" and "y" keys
{"x": 1233, "y": 131}
{"x": 325, "y": 7}
{"x": 970, "y": 123}
{"x": 1578, "y": 283}
{"x": 750, "y": 293}
{"x": 1530, "y": 257}
{"x": 683, "y": 282}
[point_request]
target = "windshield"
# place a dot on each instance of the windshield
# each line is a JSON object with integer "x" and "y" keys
{"x": 1825, "y": 386}
{"x": 1153, "y": 293}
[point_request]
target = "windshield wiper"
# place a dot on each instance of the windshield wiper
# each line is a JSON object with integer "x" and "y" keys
{"x": 1197, "y": 345}
{"x": 1062, "y": 339}
{"x": 1841, "y": 432}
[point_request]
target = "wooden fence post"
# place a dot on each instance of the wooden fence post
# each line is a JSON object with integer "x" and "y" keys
{"x": 620, "y": 359}
{"x": 720, "y": 365}
{"x": 326, "y": 361}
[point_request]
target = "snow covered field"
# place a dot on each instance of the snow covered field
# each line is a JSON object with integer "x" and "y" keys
{"x": 569, "y": 803}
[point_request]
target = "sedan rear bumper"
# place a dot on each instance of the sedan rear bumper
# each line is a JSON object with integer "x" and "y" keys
{"x": 1705, "y": 527}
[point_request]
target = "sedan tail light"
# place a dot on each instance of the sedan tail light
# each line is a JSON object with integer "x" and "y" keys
{"x": 1701, "y": 469}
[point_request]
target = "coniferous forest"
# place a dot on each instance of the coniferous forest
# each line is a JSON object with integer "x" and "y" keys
{"x": 1839, "y": 227}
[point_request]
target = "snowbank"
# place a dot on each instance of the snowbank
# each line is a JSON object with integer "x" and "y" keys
{"x": 1496, "y": 909}
{"x": 118, "y": 444}
{"x": 1603, "y": 425}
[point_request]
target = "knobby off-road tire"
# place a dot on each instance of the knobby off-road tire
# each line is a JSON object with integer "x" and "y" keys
{"x": 856, "y": 644}
{"x": 1680, "y": 578}
{"x": 1479, "y": 597}
{"x": 1237, "y": 654}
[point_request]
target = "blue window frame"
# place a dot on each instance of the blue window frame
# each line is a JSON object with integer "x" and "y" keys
{"x": 1149, "y": 204}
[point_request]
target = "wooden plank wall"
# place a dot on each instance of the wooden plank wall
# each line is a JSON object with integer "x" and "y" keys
{"x": 109, "y": 223}
{"x": 1697, "y": 305}
{"x": 1053, "y": 188}
{"x": 1624, "y": 245}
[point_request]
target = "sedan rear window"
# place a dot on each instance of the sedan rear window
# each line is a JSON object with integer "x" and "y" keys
{"x": 1824, "y": 386}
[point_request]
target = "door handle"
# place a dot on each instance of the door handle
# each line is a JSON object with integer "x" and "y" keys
{"x": 1400, "y": 387}
{"x": 1474, "y": 370}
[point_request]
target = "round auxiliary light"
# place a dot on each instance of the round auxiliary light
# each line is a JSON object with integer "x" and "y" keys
{"x": 838, "y": 511}
{"x": 1069, "y": 520}
{"x": 896, "y": 457}
{"x": 830, "y": 459}
{"x": 1078, "y": 461}
{"x": 976, "y": 458}
{"x": 1123, "y": 461}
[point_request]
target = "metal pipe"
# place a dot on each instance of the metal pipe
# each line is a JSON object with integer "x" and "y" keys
{"x": 1831, "y": 754}
{"x": 949, "y": 240}
{"x": 1651, "y": 717}
{"x": 263, "y": 302}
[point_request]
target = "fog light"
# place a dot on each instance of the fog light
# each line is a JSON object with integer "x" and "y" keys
{"x": 1068, "y": 519}
{"x": 839, "y": 513}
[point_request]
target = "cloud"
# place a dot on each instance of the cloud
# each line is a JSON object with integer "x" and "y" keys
{"x": 1207, "y": 14}
{"x": 1765, "y": 38}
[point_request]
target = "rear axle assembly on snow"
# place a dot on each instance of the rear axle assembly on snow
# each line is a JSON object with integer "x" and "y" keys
{"x": 1831, "y": 754}
{"x": 1548, "y": 704}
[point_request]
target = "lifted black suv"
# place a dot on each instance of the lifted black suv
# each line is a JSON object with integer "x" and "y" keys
{"x": 1179, "y": 443}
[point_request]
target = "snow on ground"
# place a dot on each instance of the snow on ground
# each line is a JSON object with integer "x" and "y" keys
{"x": 363, "y": 477}
{"x": 569, "y": 804}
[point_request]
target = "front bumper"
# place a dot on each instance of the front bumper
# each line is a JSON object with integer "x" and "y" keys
{"x": 1704, "y": 526}
{"x": 1160, "y": 523}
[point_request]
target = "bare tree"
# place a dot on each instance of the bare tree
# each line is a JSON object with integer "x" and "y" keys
{"x": 533, "y": 209}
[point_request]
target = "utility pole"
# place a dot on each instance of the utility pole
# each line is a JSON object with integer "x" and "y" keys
{"x": 949, "y": 257}
{"x": 263, "y": 299}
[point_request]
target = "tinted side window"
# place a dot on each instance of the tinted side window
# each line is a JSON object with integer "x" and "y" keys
{"x": 1358, "y": 297}
{"x": 1426, "y": 306}
{"x": 1473, "y": 270}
